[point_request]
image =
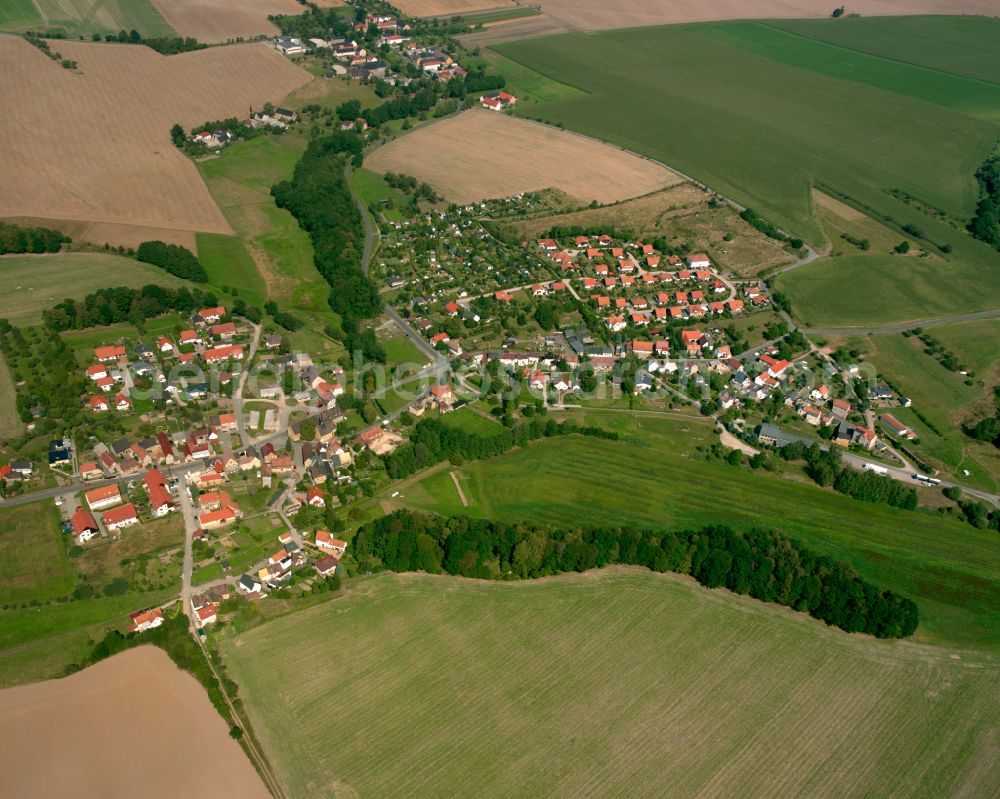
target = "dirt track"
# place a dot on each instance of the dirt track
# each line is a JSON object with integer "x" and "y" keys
{"x": 482, "y": 154}
{"x": 133, "y": 725}
{"x": 94, "y": 146}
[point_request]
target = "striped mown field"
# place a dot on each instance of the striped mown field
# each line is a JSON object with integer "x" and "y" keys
{"x": 619, "y": 682}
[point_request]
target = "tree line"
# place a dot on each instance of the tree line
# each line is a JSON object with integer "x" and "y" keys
{"x": 15, "y": 239}
{"x": 755, "y": 220}
{"x": 108, "y": 306}
{"x": 824, "y": 467}
{"x": 985, "y": 224}
{"x": 175, "y": 259}
{"x": 432, "y": 441}
{"x": 319, "y": 197}
{"x": 762, "y": 564}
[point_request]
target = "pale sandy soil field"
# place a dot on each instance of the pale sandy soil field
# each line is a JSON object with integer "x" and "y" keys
{"x": 510, "y": 30}
{"x": 133, "y": 725}
{"x": 601, "y": 15}
{"x": 222, "y": 20}
{"x": 94, "y": 146}
{"x": 481, "y": 154}
{"x": 433, "y": 8}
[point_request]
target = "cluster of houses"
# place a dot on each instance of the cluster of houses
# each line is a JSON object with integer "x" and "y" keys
{"x": 279, "y": 118}
{"x": 117, "y": 511}
{"x": 126, "y": 457}
{"x": 116, "y": 370}
{"x": 498, "y": 101}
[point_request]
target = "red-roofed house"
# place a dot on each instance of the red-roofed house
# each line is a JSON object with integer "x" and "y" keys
{"x": 224, "y": 331}
{"x": 224, "y": 353}
{"x": 98, "y": 403}
{"x": 212, "y": 314}
{"x": 164, "y": 345}
{"x": 315, "y": 497}
{"x": 145, "y": 620}
{"x": 84, "y": 525}
{"x": 326, "y": 541}
{"x": 106, "y": 354}
{"x": 119, "y": 518}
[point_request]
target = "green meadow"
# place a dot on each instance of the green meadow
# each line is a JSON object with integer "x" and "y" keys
{"x": 655, "y": 476}
{"x": 42, "y": 629}
{"x": 240, "y": 180}
{"x": 763, "y": 114}
{"x": 618, "y": 682}
{"x": 37, "y": 282}
{"x": 379, "y": 195}
{"x": 19, "y": 15}
{"x": 229, "y": 265}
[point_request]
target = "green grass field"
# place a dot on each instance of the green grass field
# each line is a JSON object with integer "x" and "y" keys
{"x": 375, "y": 192}
{"x": 84, "y": 17}
{"x": 228, "y": 265}
{"x": 470, "y": 421}
{"x": 40, "y": 635}
{"x": 240, "y": 180}
{"x": 959, "y": 45}
{"x": 650, "y": 477}
{"x": 943, "y": 397}
{"x": 615, "y": 683}
{"x": 37, "y": 282}
{"x": 766, "y": 114}
{"x": 870, "y": 290}
{"x": 32, "y": 557}
{"x": 19, "y": 15}
{"x": 10, "y": 422}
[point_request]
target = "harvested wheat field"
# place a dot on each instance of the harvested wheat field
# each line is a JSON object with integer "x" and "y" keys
{"x": 436, "y": 8}
{"x": 133, "y": 725}
{"x": 601, "y": 15}
{"x": 510, "y": 30}
{"x": 99, "y": 148}
{"x": 613, "y": 683}
{"x": 222, "y": 20}
{"x": 481, "y": 154}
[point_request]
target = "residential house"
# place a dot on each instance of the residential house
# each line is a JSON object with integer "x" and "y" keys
{"x": 84, "y": 526}
{"x": 325, "y": 540}
{"x": 326, "y": 566}
{"x": 103, "y": 497}
{"x": 145, "y": 620}
{"x": 119, "y": 518}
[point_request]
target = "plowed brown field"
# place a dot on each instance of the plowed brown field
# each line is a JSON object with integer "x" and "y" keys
{"x": 601, "y": 15}
{"x": 480, "y": 154}
{"x": 434, "y": 8}
{"x": 94, "y": 145}
{"x": 221, "y": 20}
{"x": 134, "y": 725}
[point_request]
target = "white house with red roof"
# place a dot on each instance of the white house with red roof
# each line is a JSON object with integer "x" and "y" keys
{"x": 120, "y": 518}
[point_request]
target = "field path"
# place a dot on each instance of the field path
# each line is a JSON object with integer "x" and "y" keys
{"x": 458, "y": 488}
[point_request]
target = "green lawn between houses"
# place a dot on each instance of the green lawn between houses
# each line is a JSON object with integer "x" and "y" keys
{"x": 762, "y": 114}
{"x": 620, "y": 682}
